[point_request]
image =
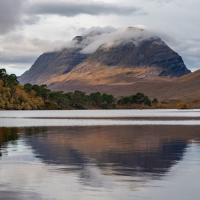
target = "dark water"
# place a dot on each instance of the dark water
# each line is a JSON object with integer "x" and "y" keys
{"x": 107, "y": 163}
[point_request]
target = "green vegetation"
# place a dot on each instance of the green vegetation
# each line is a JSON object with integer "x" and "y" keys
{"x": 27, "y": 97}
{"x": 81, "y": 100}
{"x": 13, "y": 95}
{"x": 71, "y": 100}
{"x": 139, "y": 99}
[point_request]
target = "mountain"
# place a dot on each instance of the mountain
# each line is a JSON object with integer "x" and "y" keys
{"x": 53, "y": 63}
{"x": 113, "y": 61}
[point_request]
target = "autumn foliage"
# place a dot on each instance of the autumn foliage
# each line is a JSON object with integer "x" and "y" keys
{"x": 30, "y": 97}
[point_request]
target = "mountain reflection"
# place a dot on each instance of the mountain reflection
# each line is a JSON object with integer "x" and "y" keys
{"x": 127, "y": 151}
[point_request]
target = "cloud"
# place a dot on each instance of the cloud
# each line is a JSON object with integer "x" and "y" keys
{"x": 16, "y": 59}
{"x": 20, "y": 51}
{"x": 10, "y": 14}
{"x": 190, "y": 50}
{"x": 97, "y": 37}
{"x": 70, "y": 9}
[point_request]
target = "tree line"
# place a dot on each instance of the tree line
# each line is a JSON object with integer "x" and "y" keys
{"x": 28, "y": 96}
{"x": 82, "y": 100}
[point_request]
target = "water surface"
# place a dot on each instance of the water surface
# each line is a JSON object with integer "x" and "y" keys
{"x": 105, "y": 162}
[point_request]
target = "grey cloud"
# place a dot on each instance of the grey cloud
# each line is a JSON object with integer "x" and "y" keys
{"x": 31, "y": 19}
{"x": 20, "y": 52}
{"x": 13, "y": 59}
{"x": 10, "y": 14}
{"x": 16, "y": 63}
{"x": 71, "y": 9}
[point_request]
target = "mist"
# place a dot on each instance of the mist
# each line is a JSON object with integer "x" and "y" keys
{"x": 108, "y": 37}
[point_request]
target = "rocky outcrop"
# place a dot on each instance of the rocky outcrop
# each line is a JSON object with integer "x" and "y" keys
{"x": 152, "y": 53}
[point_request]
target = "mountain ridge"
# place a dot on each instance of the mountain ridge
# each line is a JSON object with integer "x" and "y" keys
{"x": 114, "y": 61}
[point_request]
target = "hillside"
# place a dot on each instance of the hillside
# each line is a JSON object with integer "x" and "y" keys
{"x": 130, "y": 49}
{"x": 125, "y": 81}
{"x": 118, "y": 62}
{"x": 34, "y": 97}
{"x": 13, "y": 96}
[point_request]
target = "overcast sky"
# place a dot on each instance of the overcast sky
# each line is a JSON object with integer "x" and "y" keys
{"x": 31, "y": 27}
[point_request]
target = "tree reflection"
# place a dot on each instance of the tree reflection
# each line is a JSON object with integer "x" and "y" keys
{"x": 7, "y": 135}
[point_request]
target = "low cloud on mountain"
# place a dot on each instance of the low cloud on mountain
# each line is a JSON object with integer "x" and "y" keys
{"x": 115, "y": 37}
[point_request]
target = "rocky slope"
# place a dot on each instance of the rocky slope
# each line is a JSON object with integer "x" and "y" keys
{"x": 52, "y": 64}
{"x": 152, "y": 52}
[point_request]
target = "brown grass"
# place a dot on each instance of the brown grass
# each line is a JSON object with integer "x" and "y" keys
{"x": 122, "y": 81}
